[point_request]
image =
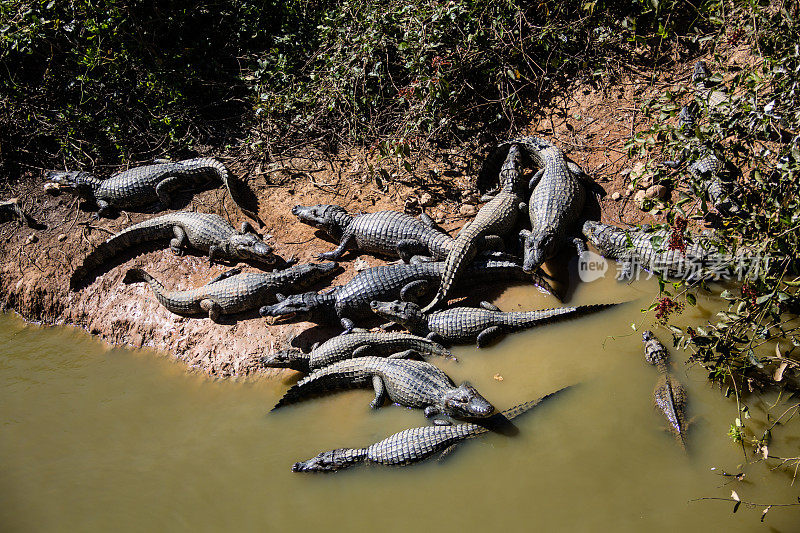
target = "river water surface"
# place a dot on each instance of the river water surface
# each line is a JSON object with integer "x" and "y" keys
{"x": 97, "y": 439}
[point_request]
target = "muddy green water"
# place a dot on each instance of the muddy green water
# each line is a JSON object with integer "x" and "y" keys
{"x": 94, "y": 439}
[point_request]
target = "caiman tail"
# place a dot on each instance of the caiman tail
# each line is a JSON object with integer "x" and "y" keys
{"x": 325, "y": 380}
{"x": 154, "y": 229}
{"x": 137, "y": 275}
{"x": 225, "y": 177}
{"x": 670, "y": 398}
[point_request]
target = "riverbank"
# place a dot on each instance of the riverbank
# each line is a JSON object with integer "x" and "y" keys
{"x": 591, "y": 125}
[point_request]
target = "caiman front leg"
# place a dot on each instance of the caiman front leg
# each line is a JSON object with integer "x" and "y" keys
{"x": 580, "y": 245}
{"x": 177, "y": 244}
{"x": 347, "y": 324}
{"x": 405, "y": 354}
{"x": 489, "y": 336}
{"x": 213, "y": 309}
{"x": 380, "y": 392}
{"x": 104, "y": 209}
{"x": 489, "y": 306}
{"x": 337, "y": 253}
{"x": 226, "y": 275}
{"x": 247, "y": 227}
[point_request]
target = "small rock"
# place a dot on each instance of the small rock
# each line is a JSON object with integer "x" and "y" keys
{"x": 628, "y": 192}
{"x": 645, "y": 182}
{"x": 425, "y": 200}
{"x": 639, "y": 198}
{"x": 638, "y": 169}
{"x": 32, "y": 238}
{"x": 615, "y": 196}
{"x": 359, "y": 265}
{"x": 656, "y": 191}
{"x": 631, "y": 187}
{"x": 467, "y": 210}
{"x": 61, "y": 237}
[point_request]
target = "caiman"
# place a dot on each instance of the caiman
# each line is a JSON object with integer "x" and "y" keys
{"x": 408, "y": 446}
{"x": 669, "y": 394}
{"x": 650, "y": 251}
{"x": 142, "y": 186}
{"x": 557, "y": 201}
{"x": 184, "y": 229}
{"x": 233, "y": 291}
{"x": 351, "y": 302}
{"x": 11, "y": 210}
{"x": 403, "y": 381}
{"x": 390, "y": 233}
{"x": 495, "y": 219}
{"x": 470, "y": 324}
{"x": 707, "y": 169}
{"x": 355, "y": 344}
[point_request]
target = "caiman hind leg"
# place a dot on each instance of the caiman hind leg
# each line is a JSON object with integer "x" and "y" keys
{"x": 408, "y": 248}
{"x": 179, "y": 242}
{"x": 489, "y": 336}
{"x": 380, "y": 392}
{"x": 413, "y": 291}
{"x": 213, "y": 308}
{"x": 337, "y": 253}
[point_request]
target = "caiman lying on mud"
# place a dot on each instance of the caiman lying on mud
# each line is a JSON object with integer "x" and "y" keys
{"x": 403, "y": 381}
{"x": 407, "y": 282}
{"x": 389, "y": 233}
{"x": 636, "y": 249}
{"x": 496, "y": 218}
{"x": 142, "y": 186}
{"x": 557, "y": 202}
{"x": 669, "y": 394}
{"x": 233, "y": 291}
{"x": 470, "y": 324}
{"x": 186, "y": 229}
{"x": 11, "y": 210}
{"x": 408, "y": 446}
{"x": 355, "y": 344}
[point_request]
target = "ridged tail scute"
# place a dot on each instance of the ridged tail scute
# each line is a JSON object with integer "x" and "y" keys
{"x": 125, "y": 242}
{"x": 517, "y": 410}
{"x": 136, "y": 275}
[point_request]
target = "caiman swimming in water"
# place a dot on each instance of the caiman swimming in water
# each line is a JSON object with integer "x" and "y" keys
{"x": 408, "y": 446}
{"x": 669, "y": 394}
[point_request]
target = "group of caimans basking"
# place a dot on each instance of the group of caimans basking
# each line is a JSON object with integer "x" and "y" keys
{"x": 432, "y": 265}
{"x": 412, "y": 293}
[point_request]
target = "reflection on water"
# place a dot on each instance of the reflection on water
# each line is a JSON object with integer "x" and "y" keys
{"x": 95, "y": 439}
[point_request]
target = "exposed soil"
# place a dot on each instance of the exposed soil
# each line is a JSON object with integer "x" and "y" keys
{"x": 590, "y": 124}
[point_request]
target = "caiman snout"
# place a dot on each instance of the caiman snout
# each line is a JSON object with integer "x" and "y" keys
{"x": 467, "y": 402}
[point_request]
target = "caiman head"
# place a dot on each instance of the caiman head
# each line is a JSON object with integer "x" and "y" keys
{"x": 611, "y": 241}
{"x": 329, "y": 461}
{"x": 407, "y": 314}
{"x": 332, "y": 219}
{"x": 291, "y": 358}
{"x": 74, "y": 182}
{"x": 250, "y": 247}
{"x": 701, "y": 72}
{"x": 537, "y": 248}
{"x": 466, "y": 402}
{"x": 309, "y": 306}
